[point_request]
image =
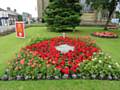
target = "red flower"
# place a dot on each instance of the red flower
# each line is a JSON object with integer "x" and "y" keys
{"x": 105, "y": 34}
{"x": 47, "y": 51}
{"x": 22, "y": 61}
{"x": 59, "y": 67}
{"x": 63, "y": 62}
{"x": 65, "y": 70}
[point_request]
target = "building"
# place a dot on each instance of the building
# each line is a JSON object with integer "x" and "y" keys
{"x": 7, "y": 20}
{"x": 26, "y": 17}
{"x": 86, "y": 8}
{"x": 3, "y": 17}
{"x": 89, "y": 15}
{"x": 41, "y": 5}
{"x": 12, "y": 16}
{"x": 8, "y": 17}
{"x": 87, "y": 11}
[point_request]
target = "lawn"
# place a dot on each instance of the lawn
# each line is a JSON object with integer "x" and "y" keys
{"x": 9, "y": 45}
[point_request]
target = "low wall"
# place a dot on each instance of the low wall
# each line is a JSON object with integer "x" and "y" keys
{"x": 10, "y": 29}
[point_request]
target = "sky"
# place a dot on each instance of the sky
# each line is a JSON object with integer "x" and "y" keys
{"x": 29, "y": 6}
{"x": 118, "y": 8}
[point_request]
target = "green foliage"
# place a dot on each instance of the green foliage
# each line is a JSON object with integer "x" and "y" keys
{"x": 109, "y": 5}
{"x": 101, "y": 67}
{"x": 104, "y": 4}
{"x": 20, "y": 18}
{"x": 37, "y": 39}
{"x": 28, "y": 64}
{"x": 62, "y": 14}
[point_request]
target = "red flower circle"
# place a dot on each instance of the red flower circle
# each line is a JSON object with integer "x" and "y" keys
{"x": 66, "y": 62}
{"x": 105, "y": 34}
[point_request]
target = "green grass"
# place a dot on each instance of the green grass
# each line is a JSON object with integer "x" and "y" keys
{"x": 9, "y": 45}
{"x": 60, "y": 85}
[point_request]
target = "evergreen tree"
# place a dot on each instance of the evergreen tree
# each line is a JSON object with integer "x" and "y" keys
{"x": 62, "y": 14}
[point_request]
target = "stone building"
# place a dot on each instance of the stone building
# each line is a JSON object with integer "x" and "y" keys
{"x": 87, "y": 12}
{"x": 41, "y": 5}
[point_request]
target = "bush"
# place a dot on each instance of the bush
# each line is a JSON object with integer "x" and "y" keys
{"x": 101, "y": 67}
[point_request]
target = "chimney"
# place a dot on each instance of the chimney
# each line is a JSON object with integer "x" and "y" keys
{"x": 15, "y": 10}
{"x": 8, "y": 9}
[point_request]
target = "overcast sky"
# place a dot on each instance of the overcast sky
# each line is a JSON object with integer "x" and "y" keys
{"x": 29, "y": 6}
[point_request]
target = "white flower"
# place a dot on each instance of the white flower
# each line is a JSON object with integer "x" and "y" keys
{"x": 109, "y": 56}
{"x": 106, "y": 57}
{"x": 94, "y": 59}
{"x": 109, "y": 66}
{"x": 101, "y": 53}
{"x": 100, "y": 61}
{"x": 79, "y": 64}
{"x": 117, "y": 64}
{"x": 94, "y": 53}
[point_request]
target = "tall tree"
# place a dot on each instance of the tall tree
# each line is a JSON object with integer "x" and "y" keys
{"x": 109, "y": 5}
{"x": 62, "y": 14}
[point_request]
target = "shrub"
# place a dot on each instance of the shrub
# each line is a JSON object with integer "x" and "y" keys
{"x": 101, "y": 67}
{"x": 62, "y": 14}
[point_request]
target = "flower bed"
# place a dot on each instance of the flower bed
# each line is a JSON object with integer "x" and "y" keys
{"x": 66, "y": 62}
{"x": 101, "y": 68}
{"x": 57, "y": 58}
{"x": 105, "y": 34}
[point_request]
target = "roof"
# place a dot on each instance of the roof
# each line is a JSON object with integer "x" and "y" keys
{"x": 2, "y": 9}
{"x": 11, "y": 12}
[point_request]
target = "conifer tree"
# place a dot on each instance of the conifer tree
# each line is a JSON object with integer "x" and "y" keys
{"x": 62, "y": 14}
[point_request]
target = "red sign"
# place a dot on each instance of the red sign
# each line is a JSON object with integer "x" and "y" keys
{"x": 20, "y": 31}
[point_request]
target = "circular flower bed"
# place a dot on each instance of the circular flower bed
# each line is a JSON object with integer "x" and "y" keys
{"x": 60, "y": 58}
{"x": 105, "y": 34}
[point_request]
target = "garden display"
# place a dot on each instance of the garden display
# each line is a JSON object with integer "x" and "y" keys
{"x": 61, "y": 58}
{"x": 105, "y": 34}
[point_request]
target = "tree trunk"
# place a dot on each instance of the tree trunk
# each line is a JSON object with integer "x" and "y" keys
{"x": 108, "y": 20}
{"x": 111, "y": 11}
{"x": 74, "y": 29}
